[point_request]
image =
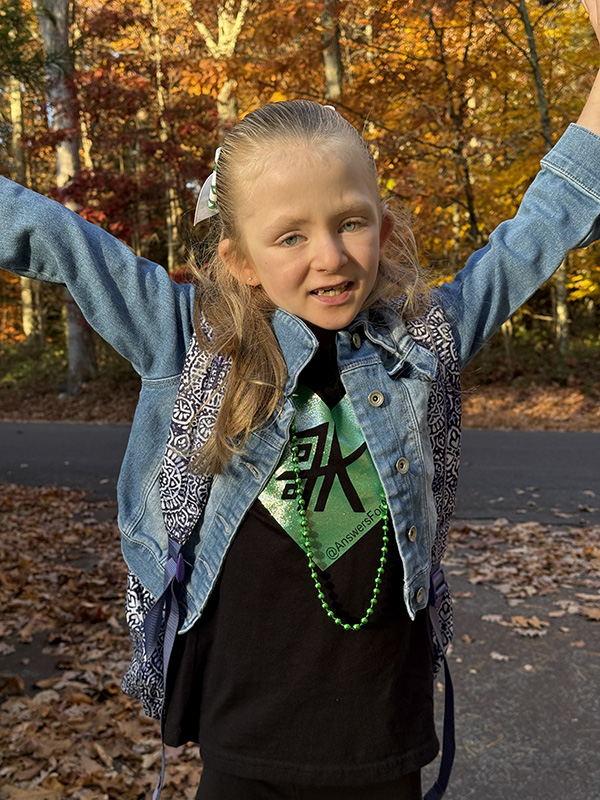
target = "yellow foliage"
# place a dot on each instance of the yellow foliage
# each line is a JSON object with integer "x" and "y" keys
{"x": 582, "y": 286}
{"x": 277, "y": 97}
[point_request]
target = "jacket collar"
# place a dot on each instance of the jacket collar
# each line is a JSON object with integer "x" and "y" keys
{"x": 381, "y": 325}
{"x": 298, "y": 345}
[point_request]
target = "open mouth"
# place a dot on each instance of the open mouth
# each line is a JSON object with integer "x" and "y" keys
{"x": 331, "y": 291}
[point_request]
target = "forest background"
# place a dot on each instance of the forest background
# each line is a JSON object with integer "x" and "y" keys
{"x": 115, "y": 108}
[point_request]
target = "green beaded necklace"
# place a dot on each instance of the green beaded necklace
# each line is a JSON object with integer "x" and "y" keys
{"x": 306, "y": 537}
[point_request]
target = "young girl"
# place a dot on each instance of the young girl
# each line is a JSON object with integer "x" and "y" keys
{"x": 290, "y": 476}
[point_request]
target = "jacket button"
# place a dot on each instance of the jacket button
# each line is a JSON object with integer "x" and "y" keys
{"x": 420, "y": 596}
{"x": 402, "y": 466}
{"x": 356, "y": 340}
{"x": 412, "y": 533}
{"x": 376, "y": 399}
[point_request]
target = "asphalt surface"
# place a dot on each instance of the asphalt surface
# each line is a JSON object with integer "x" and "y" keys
{"x": 78, "y": 455}
{"x": 521, "y": 475}
{"x": 527, "y": 709}
{"x": 546, "y": 476}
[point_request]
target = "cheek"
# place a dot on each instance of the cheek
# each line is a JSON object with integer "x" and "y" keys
{"x": 370, "y": 258}
{"x": 286, "y": 273}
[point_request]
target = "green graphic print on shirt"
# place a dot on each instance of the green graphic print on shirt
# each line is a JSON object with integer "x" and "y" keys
{"x": 341, "y": 487}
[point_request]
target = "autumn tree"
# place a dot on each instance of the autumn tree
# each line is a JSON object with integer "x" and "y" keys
{"x": 526, "y": 45}
{"x": 444, "y": 91}
{"x": 54, "y": 22}
{"x": 20, "y": 66}
{"x": 221, "y": 44}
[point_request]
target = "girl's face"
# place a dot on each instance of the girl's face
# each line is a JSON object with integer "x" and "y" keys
{"x": 312, "y": 234}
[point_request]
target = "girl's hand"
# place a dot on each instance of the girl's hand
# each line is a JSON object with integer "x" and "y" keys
{"x": 590, "y": 116}
{"x": 593, "y": 9}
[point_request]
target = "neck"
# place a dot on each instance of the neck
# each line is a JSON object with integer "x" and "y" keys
{"x": 325, "y": 337}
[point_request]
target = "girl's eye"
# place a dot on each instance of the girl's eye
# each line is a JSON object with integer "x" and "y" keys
{"x": 290, "y": 241}
{"x": 351, "y": 225}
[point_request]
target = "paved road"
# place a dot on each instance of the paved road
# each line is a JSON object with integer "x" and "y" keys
{"x": 78, "y": 455}
{"x": 521, "y": 475}
{"x": 546, "y": 476}
{"x": 527, "y": 710}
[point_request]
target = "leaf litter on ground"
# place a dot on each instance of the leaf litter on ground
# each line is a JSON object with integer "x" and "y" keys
{"x": 74, "y": 735}
{"x": 523, "y": 560}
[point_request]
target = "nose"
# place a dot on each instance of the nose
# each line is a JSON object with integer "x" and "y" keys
{"x": 329, "y": 254}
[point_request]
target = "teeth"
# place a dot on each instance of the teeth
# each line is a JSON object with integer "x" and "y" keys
{"x": 334, "y": 290}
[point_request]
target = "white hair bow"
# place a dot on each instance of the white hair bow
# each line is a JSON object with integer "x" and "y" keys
{"x": 207, "y": 199}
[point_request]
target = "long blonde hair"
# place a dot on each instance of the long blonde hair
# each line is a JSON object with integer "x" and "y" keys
{"x": 239, "y": 315}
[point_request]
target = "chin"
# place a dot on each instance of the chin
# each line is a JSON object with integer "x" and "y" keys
{"x": 330, "y": 323}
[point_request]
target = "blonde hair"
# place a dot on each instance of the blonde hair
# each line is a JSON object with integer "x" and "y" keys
{"x": 239, "y": 315}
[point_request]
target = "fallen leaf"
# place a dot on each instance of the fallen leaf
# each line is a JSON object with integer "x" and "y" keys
{"x": 16, "y": 793}
{"x": 529, "y": 622}
{"x": 12, "y": 684}
{"x": 492, "y": 617}
{"x": 498, "y": 656}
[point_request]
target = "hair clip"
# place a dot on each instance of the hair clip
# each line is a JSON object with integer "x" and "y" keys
{"x": 207, "y": 199}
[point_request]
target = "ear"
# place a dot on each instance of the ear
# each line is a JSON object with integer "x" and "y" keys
{"x": 387, "y": 226}
{"x": 238, "y": 265}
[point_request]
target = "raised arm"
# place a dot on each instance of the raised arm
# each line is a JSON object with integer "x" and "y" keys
{"x": 590, "y": 116}
{"x": 129, "y": 301}
{"x": 559, "y": 212}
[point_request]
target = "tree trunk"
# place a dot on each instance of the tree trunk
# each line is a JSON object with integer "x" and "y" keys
{"x": 141, "y": 207}
{"x": 538, "y": 79}
{"x": 227, "y": 106}
{"x": 16, "y": 118}
{"x": 85, "y": 140}
{"x": 369, "y": 31}
{"x": 457, "y": 108}
{"x": 20, "y": 176}
{"x": 171, "y": 199}
{"x": 53, "y": 19}
{"x": 230, "y": 22}
{"x": 561, "y": 309}
{"x": 332, "y": 59}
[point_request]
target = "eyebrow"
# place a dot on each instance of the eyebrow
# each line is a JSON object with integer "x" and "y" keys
{"x": 286, "y": 223}
{"x": 289, "y": 223}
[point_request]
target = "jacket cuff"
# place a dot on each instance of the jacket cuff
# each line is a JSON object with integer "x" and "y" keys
{"x": 576, "y": 157}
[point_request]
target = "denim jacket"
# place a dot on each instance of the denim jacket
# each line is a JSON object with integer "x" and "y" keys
{"x": 388, "y": 376}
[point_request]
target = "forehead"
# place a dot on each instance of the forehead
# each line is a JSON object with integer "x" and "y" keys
{"x": 298, "y": 175}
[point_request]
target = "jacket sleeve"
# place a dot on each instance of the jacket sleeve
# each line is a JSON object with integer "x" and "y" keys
{"x": 560, "y": 212}
{"x": 131, "y": 302}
